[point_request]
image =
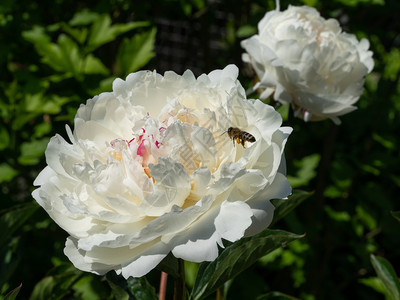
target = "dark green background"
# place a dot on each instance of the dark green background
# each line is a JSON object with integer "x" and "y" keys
{"x": 353, "y": 169}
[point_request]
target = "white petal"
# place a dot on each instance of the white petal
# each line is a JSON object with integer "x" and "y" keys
{"x": 233, "y": 219}
{"x": 198, "y": 250}
{"x": 172, "y": 186}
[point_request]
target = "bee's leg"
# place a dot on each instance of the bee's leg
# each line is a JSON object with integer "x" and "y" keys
{"x": 243, "y": 141}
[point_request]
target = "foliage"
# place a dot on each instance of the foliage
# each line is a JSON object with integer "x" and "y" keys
{"x": 387, "y": 275}
{"x": 55, "y": 59}
{"x": 236, "y": 258}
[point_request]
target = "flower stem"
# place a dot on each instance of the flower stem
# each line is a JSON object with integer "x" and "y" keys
{"x": 163, "y": 286}
{"x": 179, "y": 284}
{"x": 219, "y": 294}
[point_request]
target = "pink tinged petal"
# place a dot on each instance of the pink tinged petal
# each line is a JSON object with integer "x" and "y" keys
{"x": 233, "y": 219}
{"x": 143, "y": 150}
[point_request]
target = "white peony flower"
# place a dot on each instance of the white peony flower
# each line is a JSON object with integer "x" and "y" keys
{"x": 309, "y": 62}
{"x": 151, "y": 170}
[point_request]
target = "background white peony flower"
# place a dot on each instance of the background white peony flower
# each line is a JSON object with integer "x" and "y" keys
{"x": 149, "y": 170}
{"x": 309, "y": 62}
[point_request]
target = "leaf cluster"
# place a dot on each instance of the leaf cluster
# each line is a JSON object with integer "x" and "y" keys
{"x": 54, "y": 59}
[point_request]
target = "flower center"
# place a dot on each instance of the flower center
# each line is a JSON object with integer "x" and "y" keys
{"x": 178, "y": 133}
{"x": 145, "y": 147}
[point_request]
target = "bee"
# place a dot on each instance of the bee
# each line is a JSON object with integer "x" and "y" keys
{"x": 240, "y": 136}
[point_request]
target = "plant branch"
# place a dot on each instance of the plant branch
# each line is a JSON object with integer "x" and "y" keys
{"x": 163, "y": 286}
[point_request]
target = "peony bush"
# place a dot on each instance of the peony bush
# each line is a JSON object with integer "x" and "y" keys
{"x": 307, "y": 61}
{"x": 150, "y": 169}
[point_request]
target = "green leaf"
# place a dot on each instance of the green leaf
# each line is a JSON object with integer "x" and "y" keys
{"x": 392, "y": 67}
{"x": 246, "y": 31}
{"x": 306, "y": 170}
{"x": 388, "y": 276}
{"x": 4, "y": 138}
{"x": 12, "y": 295}
{"x": 63, "y": 56}
{"x": 7, "y": 173}
{"x": 36, "y": 35}
{"x": 42, "y": 129}
{"x": 389, "y": 142}
{"x": 118, "y": 285}
{"x": 285, "y": 206}
{"x": 53, "y": 104}
{"x": 10, "y": 261}
{"x": 84, "y": 17}
{"x": 169, "y": 265}
{"x": 90, "y": 287}
{"x": 311, "y": 3}
{"x": 236, "y": 258}
{"x": 339, "y": 216}
{"x": 396, "y": 215}
{"x": 136, "y": 52}
{"x": 365, "y": 217}
{"x": 374, "y": 283}
{"x": 58, "y": 285}
{"x": 132, "y": 288}
{"x": 284, "y": 111}
{"x": 32, "y": 152}
{"x": 13, "y": 218}
{"x": 79, "y": 35}
{"x": 70, "y": 56}
{"x": 104, "y": 85}
{"x": 93, "y": 65}
{"x": 103, "y": 32}
{"x": 276, "y": 295}
{"x": 191, "y": 269}
{"x": 141, "y": 289}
